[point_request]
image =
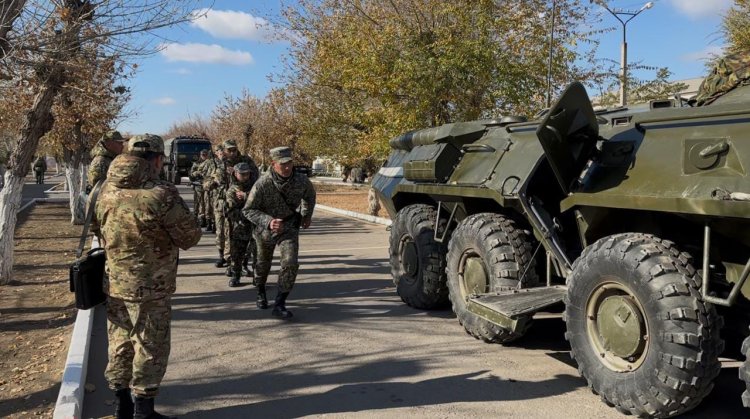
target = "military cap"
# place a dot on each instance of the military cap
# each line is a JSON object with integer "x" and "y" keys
{"x": 146, "y": 142}
{"x": 242, "y": 168}
{"x": 229, "y": 144}
{"x": 112, "y": 135}
{"x": 281, "y": 154}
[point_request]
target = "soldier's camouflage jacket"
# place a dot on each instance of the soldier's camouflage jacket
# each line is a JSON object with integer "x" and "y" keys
{"x": 143, "y": 222}
{"x": 242, "y": 226}
{"x": 196, "y": 175}
{"x": 728, "y": 73}
{"x": 101, "y": 158}
{"x": 274, "y": 197}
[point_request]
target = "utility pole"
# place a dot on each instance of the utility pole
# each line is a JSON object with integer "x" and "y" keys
{"x": 630, "y": 15}
{"x": 551, "y": 49}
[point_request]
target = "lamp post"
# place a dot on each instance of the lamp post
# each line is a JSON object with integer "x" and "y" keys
{"x": 629, "y": 15}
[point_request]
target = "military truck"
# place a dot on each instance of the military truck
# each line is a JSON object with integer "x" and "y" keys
{"x": 634, "y": 222}
{"x": 181, "y": 152}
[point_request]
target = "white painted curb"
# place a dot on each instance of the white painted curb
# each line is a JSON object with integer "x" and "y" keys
{"x": 358, "y": 215}
{"x": 70, "y": 399}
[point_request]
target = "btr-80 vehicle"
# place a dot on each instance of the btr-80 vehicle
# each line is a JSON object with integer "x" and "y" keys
{"x": 638, "y": 221}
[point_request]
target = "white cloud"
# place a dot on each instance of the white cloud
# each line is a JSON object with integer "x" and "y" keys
{"x": 204, "y": 53}
{"x": 706, "y": 53}
{"x": 701, "y": 8}
{"x": 182, "y": 71}
{"x": 230, "y": 24}
{"x": 165, "y": 101}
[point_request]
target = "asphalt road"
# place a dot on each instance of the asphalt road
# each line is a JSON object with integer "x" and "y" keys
{"x": 354, "y": 350}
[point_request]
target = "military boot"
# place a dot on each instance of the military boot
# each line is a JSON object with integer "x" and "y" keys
{"x": 247, "y": 270}
{"x": 279, "y": 308}
{"x": 262, "y": 301}
{"x": 221, "y": 262}
{"x": 230, "y": 271}
{"x": 203, "y": 222}
{"x": 210, "y": 227}
{"x": 144, "y": 409}
{"x": 123, "y": 404}
{"x": 235, "y": 281}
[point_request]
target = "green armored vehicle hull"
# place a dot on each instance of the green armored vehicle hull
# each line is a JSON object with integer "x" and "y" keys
{"x": 637, "y": 220}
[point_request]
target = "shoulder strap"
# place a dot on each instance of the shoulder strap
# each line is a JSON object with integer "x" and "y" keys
{"x": 89, "y": 215}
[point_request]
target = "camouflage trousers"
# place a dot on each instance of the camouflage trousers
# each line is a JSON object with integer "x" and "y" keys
{"x": 242, "y": 246}
{"x": 288, "y": 244}
{"x": 139, "y": 344}
{"x": 198, "y": 206}
{"x": 223, "y": 230}
{"x": 208, "y": 206}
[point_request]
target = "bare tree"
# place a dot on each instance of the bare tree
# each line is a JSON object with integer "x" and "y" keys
{"x": 39, "y": 39}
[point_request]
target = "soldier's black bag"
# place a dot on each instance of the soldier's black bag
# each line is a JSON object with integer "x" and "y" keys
{"x": 87, "y": 272}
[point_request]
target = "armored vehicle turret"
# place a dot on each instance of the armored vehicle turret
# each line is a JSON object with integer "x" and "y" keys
{"x": 636, "y": 221}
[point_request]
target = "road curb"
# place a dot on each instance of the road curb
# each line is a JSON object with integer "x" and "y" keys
{"x": 357, "y": 215}
{"x": 69, "y": 403}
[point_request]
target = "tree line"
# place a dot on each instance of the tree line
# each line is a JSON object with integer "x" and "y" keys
{"x": 356, "y": 73}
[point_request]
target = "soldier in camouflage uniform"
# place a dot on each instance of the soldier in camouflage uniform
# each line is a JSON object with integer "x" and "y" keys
{"x": 271, "y": 207}
{"x": 143, "y": 223}
{"x": 108, "y": 147}
{"x": 242, "y": 181}
{"x": 198, "y": 193}
{"x": 205, "y": 169}
{"x": 221, "y": 178}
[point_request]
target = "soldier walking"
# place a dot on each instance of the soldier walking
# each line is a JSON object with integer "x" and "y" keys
{"x": 105, "y": 150}
{"x": 40, "y": 166}
{"x": 196, "y": 177}
{"x": 242, "y": 182}
{"x": 272, "y": 208}
{"x": 143, "y": 222}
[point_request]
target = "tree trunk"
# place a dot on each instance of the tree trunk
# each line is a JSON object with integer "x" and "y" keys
{"x": 38, "y": 121}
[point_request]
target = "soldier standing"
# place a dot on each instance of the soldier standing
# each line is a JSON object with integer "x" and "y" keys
{"x": 143, "y": 223}
{"x": 197, "y": 177}
{"x": 105, "y": 150}
{"x": 221, "y": 178}
{"x": 40, "y": 166}
{"x": 272, "y": 208}
{"x": 242, "y": 182}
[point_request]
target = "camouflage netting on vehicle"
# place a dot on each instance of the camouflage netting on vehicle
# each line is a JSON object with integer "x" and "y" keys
{"x": 728, "y": 73}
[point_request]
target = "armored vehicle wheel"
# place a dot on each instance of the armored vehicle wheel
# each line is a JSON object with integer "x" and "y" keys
{"x": 638, "y": 329}
{"x": 488, "y": 253}
{"x": 417, "y": 260}
{"x": 745, "y": 372}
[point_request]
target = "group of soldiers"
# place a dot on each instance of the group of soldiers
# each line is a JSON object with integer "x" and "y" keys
{"x": 221, "y": 184}
{"x": 142, "y": 222}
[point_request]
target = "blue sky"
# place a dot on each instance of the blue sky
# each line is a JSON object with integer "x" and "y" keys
{"x": 226, "y": 52}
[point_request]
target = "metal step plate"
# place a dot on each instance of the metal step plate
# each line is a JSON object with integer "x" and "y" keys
{"x": 516, "y": 303}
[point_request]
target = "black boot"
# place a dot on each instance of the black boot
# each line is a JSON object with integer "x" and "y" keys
{"x": 144, "y": 409}
{"x": 246, "y": 269}
{"x": 235, "y": 281}
{"x": 210, "y": 227}
{"x": 203, "y": 222}
{"x": 123, "y": 404}
{"x": 279, "y": 308}
{"x": 230, "y": 271}
{"x": 262, "y": 301}
{"x": 221, "y": 262}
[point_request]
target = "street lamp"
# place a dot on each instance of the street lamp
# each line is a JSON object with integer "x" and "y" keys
{"x": 630, "y": 15}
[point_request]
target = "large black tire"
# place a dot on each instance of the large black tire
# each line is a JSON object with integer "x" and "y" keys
{"x": 417, "y": 260}
{"x": 656, "y": 290}
{"x": 505, "y": 253}
{"x": 745, "y": 372}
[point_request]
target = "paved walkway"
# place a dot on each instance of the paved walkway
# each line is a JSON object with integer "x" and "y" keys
{"x": 353, "y": 349}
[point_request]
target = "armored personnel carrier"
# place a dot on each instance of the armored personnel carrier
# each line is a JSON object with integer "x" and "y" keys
{"x": 636, "y": 221}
